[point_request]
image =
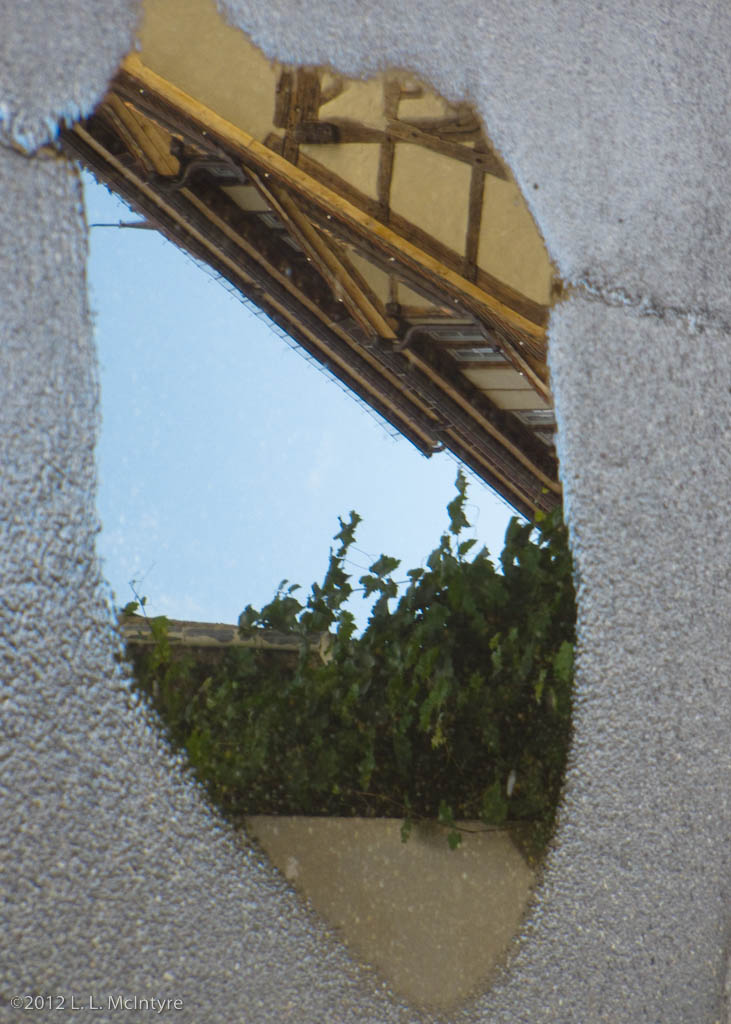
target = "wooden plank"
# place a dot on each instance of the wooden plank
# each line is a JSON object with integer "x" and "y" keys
{"x": 283, "y": 99}
{"x": 393, "y": 90}
{"x": 304, "y": 100}
{"x": 142, "y": 134}
{"x": 246, "y": 148}
{"x": 115, "y": 112}
{"x": 290, "y": 148}
{"x": 385, "y": 176}
{"x": 401, "y": 132}
{"x": 308, "y": 95}
{"x": 464, "y": 126}
{"x": 331, "y": 264}
{"x": 317, "y": 133}
{"x": 474, "y": 221}
{"x": 349, "y": 130}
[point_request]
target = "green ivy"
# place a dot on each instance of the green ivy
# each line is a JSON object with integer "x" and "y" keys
{"x": 455, "y": 704}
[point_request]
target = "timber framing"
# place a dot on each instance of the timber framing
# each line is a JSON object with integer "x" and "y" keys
{"x": 293, "y": 254}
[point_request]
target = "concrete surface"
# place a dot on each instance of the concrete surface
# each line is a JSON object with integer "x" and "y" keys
{"x": 55, "y": 62}
{"x": 118, "y": 880}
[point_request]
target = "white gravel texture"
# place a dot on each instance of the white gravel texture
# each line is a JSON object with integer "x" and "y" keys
{"x": 117, "y": 879}
{"x": 56, "y": 57}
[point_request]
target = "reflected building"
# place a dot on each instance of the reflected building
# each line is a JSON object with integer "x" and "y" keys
{"x": 372, "y": 221}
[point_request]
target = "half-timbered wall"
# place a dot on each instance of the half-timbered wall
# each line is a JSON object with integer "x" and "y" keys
{"x": 389, "y": 140}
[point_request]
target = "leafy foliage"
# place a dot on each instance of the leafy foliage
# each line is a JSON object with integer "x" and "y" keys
{"x": 454, "y": 705}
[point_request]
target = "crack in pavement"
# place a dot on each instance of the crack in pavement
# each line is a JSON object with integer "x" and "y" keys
{"x": 697, "y": 320}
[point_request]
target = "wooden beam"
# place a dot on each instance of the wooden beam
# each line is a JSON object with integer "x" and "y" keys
{"x": 474, "y": 221}
{"x": 223, "y": 136}
{"x": 400, "y": 132}
{"x": 304, "y": 100}
{"x": 331, "y": 264}
{"x": 251, "y": 151}
{"x": 349, "y": 130}
{"x": 144, "y": 136}
{"x": 283, "y": 98}
{"x": 114, "y": 111}
{"x": 385, "y": 174}
{"x": 460, "y": 126}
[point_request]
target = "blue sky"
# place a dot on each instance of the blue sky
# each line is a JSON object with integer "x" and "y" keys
{"x": 225, "y": 458}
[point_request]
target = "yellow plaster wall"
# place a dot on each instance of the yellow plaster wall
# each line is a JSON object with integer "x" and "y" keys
{"x": 359, "y": 101}
{"x": 356, "y": 162}
{"x": 189, "y": 44}
{"x": 378, "y": 281}
{"x": 432, "y": 191}
{"x": 511, "y": 247}
{"x": 428, "y": 105}
{"x": 408, "y": 297}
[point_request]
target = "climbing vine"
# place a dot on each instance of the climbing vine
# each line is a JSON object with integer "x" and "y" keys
{"x": 454, "y": 704}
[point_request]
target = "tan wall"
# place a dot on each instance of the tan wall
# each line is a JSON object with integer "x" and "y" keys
{"x": 432, "y": 191}
{"x": 359, "y": 101}
{"x": 356, "y": 163}
{"x": 511, "y": 247}
{"x": 435, "y": 922}
{"x": 188, "y": 43}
